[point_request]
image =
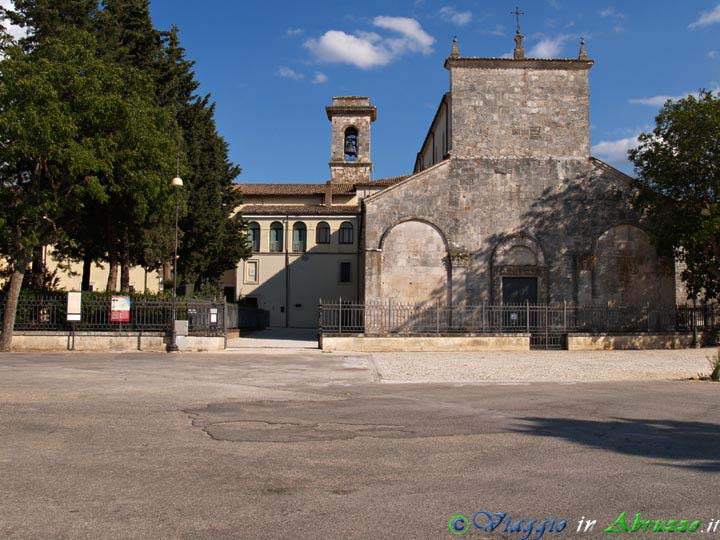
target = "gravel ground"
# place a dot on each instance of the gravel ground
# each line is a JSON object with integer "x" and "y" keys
{"x": 541, "y": 366}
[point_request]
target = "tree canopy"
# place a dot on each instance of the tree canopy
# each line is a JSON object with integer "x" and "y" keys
{"x": 678, "y": 167}
{"x": 97, "y": 109}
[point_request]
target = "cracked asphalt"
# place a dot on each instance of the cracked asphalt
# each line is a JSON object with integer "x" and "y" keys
{"x": 305, "y": 445}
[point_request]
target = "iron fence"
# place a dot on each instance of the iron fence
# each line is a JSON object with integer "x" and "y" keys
{"x": 393, "y": 318}
{"x": 48, "y": 312}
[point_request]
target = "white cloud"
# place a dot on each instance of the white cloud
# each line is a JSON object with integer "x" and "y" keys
{"x": 287, "y": 73}
{"x": 414, "y": 37}
{"x": 292, "y": 32}
{"x": 654, "y": 101}
{"x": 369, "y": 49}
{"x": 615, "y": 152}
{"x": 659, "y": 101}
{"x": 337, "y": 46}
{"x": 450, "y": 14}
{"x": 549, "y": 47}
{"x": 707, "y": 18}
{"x": 554, "y": 4}
{"x": 15, "y": 32}
{"x": 320, "y": 78}
{"x": 499, "y": 30}
{"x": 712, "y": 55}
{"x": 611, "y": 12}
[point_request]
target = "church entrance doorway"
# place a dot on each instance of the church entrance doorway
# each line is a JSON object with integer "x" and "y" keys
{"x": 519, "y": 290}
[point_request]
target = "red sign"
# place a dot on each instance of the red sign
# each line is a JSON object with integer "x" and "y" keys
{"x": 120, "y": 309}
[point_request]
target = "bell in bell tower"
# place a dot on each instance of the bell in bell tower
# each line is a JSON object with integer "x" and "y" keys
{"x": 351, "y": 118}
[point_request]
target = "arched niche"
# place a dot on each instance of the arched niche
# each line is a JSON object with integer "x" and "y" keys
{"x": 626, "y": 268}
{"x": 414, "y": 268}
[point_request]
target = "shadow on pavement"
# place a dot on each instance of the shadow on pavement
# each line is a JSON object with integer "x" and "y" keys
{"x": 695, "y": 443}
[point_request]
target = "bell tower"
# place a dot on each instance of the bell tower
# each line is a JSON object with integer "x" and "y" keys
{"x": 351, "y": 118}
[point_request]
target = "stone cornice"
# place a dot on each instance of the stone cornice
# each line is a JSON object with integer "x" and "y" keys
{"x": 349, "y": 110}
{"x": 527, "y": 63}
{"x": 350, "y": 164}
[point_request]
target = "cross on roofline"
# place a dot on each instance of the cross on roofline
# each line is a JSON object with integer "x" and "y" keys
{"x": 517, "y": 14}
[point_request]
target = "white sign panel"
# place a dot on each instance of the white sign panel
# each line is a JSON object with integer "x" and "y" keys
{"x": 74, "y": 306}
{"x": 213, "y": 315}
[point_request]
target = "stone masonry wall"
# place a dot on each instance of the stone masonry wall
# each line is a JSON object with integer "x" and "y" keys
{"x": 520, "y": 174}
{"x": 355, "y": 171}
{"x": 350, "y": 173}
{"x": 525, "y": 112}
{"x": 564, "y": 205}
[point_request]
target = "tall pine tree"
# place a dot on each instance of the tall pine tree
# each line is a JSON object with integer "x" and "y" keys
{"x": 214, "y": 238}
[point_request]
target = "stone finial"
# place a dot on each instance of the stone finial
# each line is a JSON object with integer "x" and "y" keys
{"x": 519, "y": 52}
{"x": 583, "y": 52}
{"x": 455, "y": 50}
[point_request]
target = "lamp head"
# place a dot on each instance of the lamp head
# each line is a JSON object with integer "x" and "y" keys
{"x": 177, "y": 182}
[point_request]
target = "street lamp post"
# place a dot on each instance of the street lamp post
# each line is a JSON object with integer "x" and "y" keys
{"x": 177, "y": 183}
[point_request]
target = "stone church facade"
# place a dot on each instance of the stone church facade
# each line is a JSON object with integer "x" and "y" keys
{"x": 505, "y": 205}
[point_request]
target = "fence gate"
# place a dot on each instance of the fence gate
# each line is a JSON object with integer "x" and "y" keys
{"x": 548, "y": 342}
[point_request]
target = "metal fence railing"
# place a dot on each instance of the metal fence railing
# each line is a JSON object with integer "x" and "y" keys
{"x": 48, "y": 312}
{"x": 392, "y": 318}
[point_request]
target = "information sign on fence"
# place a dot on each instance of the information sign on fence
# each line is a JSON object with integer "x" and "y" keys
{"x": 120, "y": 309}
{"x": 74, "y": 306}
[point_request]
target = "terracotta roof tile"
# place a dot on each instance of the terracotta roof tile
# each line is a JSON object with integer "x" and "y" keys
{"x": 297, "y": 210}
{"x": 312, "y": 189}
{"x": 391, "y": 181}
{"x": 282, "y": 189}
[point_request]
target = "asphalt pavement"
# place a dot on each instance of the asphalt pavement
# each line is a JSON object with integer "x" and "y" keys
{"x": 305, "y": 445}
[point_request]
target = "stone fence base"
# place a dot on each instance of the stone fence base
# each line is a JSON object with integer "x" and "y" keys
{"x": 110, "y": 341}
{"x": 625, "y": 342}
{"x": 358, "y": 343}
{"x": 501, "y": 342}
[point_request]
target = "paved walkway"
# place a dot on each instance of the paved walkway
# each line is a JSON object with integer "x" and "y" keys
{"x": 276, "y": 338}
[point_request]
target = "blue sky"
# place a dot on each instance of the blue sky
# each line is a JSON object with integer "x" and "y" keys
{"x": 272, "y": 67}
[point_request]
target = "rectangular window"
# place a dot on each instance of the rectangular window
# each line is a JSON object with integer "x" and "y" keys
{"x": 251, "y": 271}
{"x": 299, "y": 240}
{"x": 346, "y": 233}
{"x": 276, "y": 237}
{"x": 254, "y": 237}
{"x": 322, "y": 235}
{"x": 345, "y": 272}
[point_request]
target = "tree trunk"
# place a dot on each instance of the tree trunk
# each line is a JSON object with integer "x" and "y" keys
{"x": 112, "y": 255}
{"x": 37, "y": 270}
{"x": 166, "y": 272}
{"x": 125, "y": 278}
{"x": 112, "y": 275}
{"x": 11, "y": 304}
{"x": 87, "y": 268}
{"x": 125, "y": 266}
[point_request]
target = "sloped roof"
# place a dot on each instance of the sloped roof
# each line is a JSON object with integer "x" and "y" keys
{"x": 612, "y": 170}
{"x": 297, "y": 210}
{"x": 312, "y": 189}
{"x": 283, "y": 189}
{"x": 384, "y": 182}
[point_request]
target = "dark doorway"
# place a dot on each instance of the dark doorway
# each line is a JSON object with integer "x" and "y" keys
{"x": 519, "y": 290}
{"x": 230, "y": 296}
